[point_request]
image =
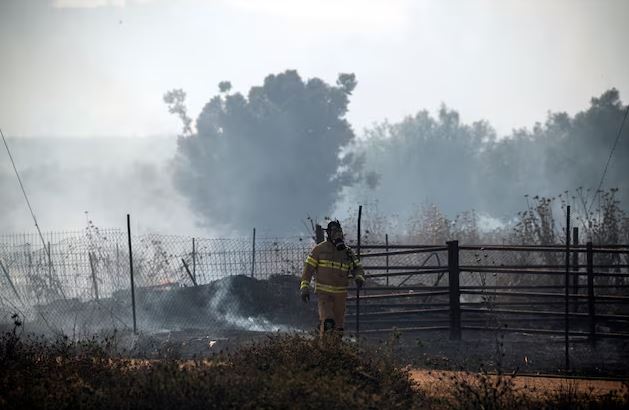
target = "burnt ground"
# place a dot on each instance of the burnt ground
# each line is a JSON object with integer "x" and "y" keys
{"x": 234, "y": 311}
{"x": 514, "y": 353}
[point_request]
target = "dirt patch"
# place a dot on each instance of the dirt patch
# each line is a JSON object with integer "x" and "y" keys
{"x": 437, "y": 383}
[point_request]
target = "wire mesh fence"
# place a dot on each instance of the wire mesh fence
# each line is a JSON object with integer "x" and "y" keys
{"x": 80, "y": 281}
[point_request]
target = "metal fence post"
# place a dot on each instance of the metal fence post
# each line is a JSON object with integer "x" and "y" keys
{"x": 194, "y": 260}
{"x": 319, "y": 237}
{"x": 50, "y": 280}
{"x": 192, "y": 278}
{"x": 360, "y": 212}
{"x": 386, "y": 243}
{"x": 575, "y": 267}
{"x": 253, "y": 253}
{"x": 135, "y": 329}
{"x": 455, "y": 293}
{"x": 93, "y": 269}
{"x": 567, "y": 293}
{"x": 591, "y": 301}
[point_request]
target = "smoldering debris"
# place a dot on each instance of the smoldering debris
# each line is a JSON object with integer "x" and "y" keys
{"x": 234, "y": 303}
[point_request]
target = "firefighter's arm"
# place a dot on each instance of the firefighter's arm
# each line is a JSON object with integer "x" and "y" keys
{"x": 357, "y": 269}
{"x": 310, "y": 267}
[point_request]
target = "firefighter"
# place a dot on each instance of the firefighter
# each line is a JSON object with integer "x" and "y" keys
{"x": 333, "y": 264}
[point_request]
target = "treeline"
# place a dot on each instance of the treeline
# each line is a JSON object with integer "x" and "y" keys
{"x": 460, "y": 166}
{"x": 286, "y": 150}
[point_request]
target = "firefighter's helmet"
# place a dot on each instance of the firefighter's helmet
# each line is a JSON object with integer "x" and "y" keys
{"x": 334, "y": 224}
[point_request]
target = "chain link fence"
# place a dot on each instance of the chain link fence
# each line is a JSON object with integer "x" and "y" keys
{"x": 80, "y": 281}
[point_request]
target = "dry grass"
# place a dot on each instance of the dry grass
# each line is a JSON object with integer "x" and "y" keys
{"x": 283, "y": 371}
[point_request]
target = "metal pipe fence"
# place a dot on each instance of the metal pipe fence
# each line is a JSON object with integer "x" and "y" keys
{"x": 504, "y": 287}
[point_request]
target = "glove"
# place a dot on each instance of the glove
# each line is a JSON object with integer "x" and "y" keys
{"x": 305, "y": 296}
{"x": 360, "y": 281}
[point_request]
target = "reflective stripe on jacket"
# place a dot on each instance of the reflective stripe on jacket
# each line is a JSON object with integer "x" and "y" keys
{"x": 331, "y": 268}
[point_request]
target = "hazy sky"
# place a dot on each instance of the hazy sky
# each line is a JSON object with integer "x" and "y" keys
{"x": 100, "y": 67}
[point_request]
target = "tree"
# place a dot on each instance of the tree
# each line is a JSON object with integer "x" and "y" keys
{"x": 563, "y": 153}
{"x": 424, "y": 159}
{"x": 464, "y": 166}
{"x": 175, "y": 99}
{"x": 270, "y": 158}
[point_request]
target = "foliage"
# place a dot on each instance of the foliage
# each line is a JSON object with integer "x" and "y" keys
{"x": 427, "y": 225}
{"x": 483, "y": 390}
{"x": 175, "y": 99}
{"x": 268, "y": 157}
{"x": 457, "y": 166}
{"x": 421, "y": 159}
{"x": 603, "y": 224}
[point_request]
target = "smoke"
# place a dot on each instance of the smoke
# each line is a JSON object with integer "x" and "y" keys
{"x": 270, "y": 164}
{"x": 458, "y": 167}
{"x": 270, "y": 159}
{"x": 70, "y": 181}
{"x": 225, "y": 307}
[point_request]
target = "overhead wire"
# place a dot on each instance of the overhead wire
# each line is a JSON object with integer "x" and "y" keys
{"x": 28, "y": 203}
{"x": 19, "y": 180}
{"x": 611, "y": 153}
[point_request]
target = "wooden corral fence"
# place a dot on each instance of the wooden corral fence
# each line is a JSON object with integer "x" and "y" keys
{"x": 461, "y": 288}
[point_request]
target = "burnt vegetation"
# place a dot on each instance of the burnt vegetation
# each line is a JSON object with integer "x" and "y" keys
{"x": 282, "y": 371}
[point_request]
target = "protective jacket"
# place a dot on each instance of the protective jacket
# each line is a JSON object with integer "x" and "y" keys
{"x": 331, "y": 269}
